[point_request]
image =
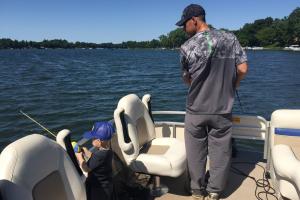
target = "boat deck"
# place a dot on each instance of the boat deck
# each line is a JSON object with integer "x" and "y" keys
{"x": 239, "y": 187}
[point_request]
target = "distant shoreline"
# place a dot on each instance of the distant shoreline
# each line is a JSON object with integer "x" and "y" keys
{"x": 172, "y": 49}
{"x": 268, "y": 33}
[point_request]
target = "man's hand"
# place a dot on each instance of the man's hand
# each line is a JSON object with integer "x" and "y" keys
{"x": 186, "y": 77}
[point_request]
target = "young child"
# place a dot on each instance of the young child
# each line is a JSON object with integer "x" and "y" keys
{"x": 99, "y": 164}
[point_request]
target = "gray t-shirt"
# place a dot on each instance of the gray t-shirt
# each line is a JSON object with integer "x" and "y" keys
{"x": 210, "y": 59}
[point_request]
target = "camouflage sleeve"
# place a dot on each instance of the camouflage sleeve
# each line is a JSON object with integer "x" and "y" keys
{"x": 183, "y": 60}
{"x": 184, "y": 66}
{"x": 240, "y": 54}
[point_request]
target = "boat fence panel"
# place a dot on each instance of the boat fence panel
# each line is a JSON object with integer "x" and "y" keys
{"x": 170, "y": 129}
{"x": 244, "y": 127}
{"x": 249, "y": 127}
{"x": 252, "y": 128}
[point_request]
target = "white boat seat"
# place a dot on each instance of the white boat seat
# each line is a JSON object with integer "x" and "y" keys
{"x": 285, "y": 152}
{"x": 161, "y": 158}
{"x": 143, "y": 152}
{"x": 287, "y": 168}
{"x": 36, "y": 167}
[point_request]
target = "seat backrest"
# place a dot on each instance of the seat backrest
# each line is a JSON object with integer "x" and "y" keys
{"x": 285, "y": 129}
{"x": 38, "y": 168}
{"x": 134, "y": 125}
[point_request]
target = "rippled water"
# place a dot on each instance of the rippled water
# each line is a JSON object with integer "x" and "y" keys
{"x": 74, "y": 88}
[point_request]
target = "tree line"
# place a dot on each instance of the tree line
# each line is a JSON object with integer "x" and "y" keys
{"x": 266, "y": 32}
{"x": 172, "y": 40}
{"x": 271, "y": 32}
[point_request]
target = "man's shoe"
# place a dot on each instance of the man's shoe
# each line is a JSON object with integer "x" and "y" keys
{"x": 198, "y": 197}
{"x": 213, "y": 196}
{"x": 199, "y": 194}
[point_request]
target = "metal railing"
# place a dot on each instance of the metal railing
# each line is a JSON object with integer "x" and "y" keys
{"x": 244, "y": 127}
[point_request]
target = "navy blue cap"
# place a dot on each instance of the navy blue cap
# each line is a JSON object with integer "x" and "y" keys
{"x": 101, "y": 130}
{"x": 192, "y": 10}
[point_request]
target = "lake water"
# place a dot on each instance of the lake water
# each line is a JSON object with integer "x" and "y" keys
{"x": 74, "y": 88}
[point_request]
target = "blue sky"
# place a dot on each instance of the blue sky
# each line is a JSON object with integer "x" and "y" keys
{"x": 122, "y": 20}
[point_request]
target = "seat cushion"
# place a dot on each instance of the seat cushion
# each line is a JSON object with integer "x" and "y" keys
{"x": 163, "y": 157}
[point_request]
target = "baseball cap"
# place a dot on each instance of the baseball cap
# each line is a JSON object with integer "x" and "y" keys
{"x": 101, "y": 130}
{"x": 192, "y": 10}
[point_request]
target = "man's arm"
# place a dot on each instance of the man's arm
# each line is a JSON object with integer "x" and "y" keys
{"x": 184, "y": 69}
{"x": 240, "y": 61}
{"x": 186, "y": 77}
{"x": 241, "y": 73}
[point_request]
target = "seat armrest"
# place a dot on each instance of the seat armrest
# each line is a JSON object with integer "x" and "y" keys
{"x": 286, "y": 164}
{"x": 146, "y": 98}
{"x": 125, "y": 147}
{"x": 61, "y": 137}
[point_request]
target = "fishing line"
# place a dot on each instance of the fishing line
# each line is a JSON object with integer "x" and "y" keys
{"x": 238, "y": 97}
{"x": 23, "y": 113}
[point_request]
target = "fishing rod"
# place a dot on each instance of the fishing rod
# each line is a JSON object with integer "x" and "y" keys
{"x": 23, "y": 113}
{"x": 76, "y": 147}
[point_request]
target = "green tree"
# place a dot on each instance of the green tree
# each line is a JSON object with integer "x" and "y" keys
{"x": 164, "y": 41}
{"x": 266, "y": 36}
{"x": 176, "y": 38}
{"x": 294, "y": 26}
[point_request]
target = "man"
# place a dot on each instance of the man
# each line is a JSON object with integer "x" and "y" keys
{"x": 213, "y": 64}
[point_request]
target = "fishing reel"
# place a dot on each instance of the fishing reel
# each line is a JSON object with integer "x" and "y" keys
{"x": 76, "y": 147}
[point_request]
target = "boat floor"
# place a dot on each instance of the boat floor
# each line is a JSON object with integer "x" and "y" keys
{"x": 238, "y": 187}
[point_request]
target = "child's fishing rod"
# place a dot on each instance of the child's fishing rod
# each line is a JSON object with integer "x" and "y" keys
{"x": 37, "y": 123}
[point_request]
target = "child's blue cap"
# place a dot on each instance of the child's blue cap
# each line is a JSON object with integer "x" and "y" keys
{"x": 101, "y": 130}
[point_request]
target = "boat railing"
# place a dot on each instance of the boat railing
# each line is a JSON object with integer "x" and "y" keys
{"x": 244, "y": 127}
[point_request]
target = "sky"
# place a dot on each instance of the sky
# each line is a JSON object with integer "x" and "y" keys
{"x": 101, "y": 21}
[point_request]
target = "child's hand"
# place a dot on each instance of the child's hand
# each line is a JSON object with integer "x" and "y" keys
{"x": 84, "y": 149}
{"x": 79, "y": 156}
{"x": 86, "y": 152}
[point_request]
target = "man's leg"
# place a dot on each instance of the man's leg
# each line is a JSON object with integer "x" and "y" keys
{"x": 196, "y": 150}
{"x": 219, "y": 151}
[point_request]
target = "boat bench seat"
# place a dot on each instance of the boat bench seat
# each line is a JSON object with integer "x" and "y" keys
{"x": 285, "y": 152}
{"x": 36, "y": 167}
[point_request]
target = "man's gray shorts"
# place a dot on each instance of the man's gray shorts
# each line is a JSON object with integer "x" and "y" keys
{"x": 208, "y": 135}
